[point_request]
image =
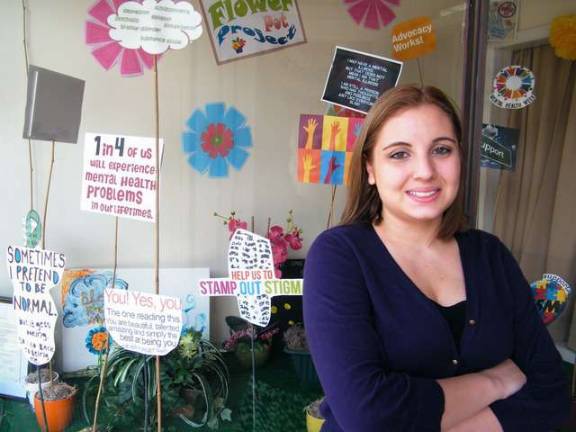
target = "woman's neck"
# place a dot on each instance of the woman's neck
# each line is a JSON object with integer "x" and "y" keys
{"x": 409, "y": 233}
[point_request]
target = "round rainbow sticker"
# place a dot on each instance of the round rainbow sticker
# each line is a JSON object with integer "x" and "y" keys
{"x": 513, "y": 88}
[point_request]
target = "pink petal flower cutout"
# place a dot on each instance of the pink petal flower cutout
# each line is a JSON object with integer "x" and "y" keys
{"x": 373, "y": 14}
{"x": 106, "y": 50}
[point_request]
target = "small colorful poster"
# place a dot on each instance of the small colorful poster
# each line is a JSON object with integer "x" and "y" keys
{"x": 551, "y": 294}
{"x": 145, "y": 323}
{"x": 513, "y": 88}
{"x": 240, "y": 29}
{"x": 372, "y": 14}
{"x": 356, "y": 79}
{"x": 119, "y": 176}
{"x": 33, "y": 273}
{"x": 413, "y": 38}
{"x": 251, "y": 278}
{"x": 499, "y": 146}
{"x": 325, "y": 146}
{"x": 502, "y": 20}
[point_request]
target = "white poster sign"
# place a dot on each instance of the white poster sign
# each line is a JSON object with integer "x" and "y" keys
{"x": 253, "y": 27}
{"x": 33, "y": 273}
{"x": 145, "y": 323}
{"x": 119, "y": 176}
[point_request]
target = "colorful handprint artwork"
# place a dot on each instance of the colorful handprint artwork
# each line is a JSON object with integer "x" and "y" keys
{"x": 325, "y": 145}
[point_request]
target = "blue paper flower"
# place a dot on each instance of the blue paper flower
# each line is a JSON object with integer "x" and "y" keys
{"x": 217, "y": 137}
{"x": 98, "y": 340}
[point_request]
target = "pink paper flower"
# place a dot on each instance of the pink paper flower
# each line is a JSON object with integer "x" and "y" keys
{"x": 234, "y": 224}
{"x": 106, "y": 50}
{"x": 372, "y": 14}
{"x": 217, "y": 140}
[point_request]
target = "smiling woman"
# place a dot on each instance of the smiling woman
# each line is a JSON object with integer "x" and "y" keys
{"x": 413, "y": 322}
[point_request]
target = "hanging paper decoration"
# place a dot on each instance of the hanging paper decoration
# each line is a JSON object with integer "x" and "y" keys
{"x": 242, "y": 29}
{"x": 325, "y": 146}
{"x": 551, "y": 294}
{"x": 499, "y": 145}
{"x": 33, "y": 229}
{"x": 155, "y": 25}
{"x": 412, "y": 39}
{"x": 563, "y": 36}
{"x": 251, "y": 278}
{"x": 513, "y": 87}
{"x": 372, "y": 14}
{"x": 217, "y": 137}
{"x": 106, "y": 50}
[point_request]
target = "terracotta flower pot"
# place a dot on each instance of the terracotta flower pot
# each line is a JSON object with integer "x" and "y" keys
{"x": 58, "y": 412}
{"x": 32, "y": 387}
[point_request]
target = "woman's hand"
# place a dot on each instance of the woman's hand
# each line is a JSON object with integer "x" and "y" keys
{"x": 506, "y": 377}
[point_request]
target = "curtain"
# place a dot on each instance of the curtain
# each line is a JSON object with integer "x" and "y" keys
{"x": 535, "y": 212}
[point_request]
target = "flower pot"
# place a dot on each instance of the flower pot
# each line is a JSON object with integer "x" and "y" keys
{"x": 304, "y": 367}
{"x": 314, "y": 420}
{"x": 58, "y": 413}
{"x": 32, "y": 387}
{"x": 244, "y": 355}
{"x": 313, "y": 424}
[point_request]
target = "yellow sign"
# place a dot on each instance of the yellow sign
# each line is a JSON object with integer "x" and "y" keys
{"x": 414, "y": 38}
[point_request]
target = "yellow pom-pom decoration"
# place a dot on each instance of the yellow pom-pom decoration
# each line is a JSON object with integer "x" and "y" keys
{"x": 563, "y": 36}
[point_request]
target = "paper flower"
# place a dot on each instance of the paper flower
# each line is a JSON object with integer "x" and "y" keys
{"x": 563, "y": 36}
{"x": 106, "y": 50}
{"x": 97, "y": 340}
{"x": 373, "y": 14}
{"x": 238, "y": 44}
{"x": 217, "y": 137}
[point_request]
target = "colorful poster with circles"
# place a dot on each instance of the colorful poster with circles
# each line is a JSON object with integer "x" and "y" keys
{"x": 502, "y": 20}
{"x": 133, "y": 31}
{"x": 325, "y": 146}
{"x": 239, "y": 29}
{"x": 372, "y": 14}
{"x": 513, "y": 87}
{"x": 551, "y": 294}
{"x": 216, "y": 138}
{"x": 251, "y": 278}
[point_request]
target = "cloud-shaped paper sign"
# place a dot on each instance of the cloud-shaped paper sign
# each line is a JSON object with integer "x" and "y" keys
{"x": 155, "y": 26}
{"x": 251, "y": 278}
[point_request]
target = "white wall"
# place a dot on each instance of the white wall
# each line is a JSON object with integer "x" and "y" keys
{"x": 271, "y": 90}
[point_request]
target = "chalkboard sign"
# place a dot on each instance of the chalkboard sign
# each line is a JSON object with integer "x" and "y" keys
{"x": 357, "y": 79}
{"x": 14, "y": 365}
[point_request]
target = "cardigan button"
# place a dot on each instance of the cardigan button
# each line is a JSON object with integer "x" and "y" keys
{"x": 454, "y": 362}
{"x": 472, "y": 322}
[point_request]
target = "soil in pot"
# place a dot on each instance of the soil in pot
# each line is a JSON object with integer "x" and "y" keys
{"x": 32, "y": 383}
{"x": 59, "y": 405}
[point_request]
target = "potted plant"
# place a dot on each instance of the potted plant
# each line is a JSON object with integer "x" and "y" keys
{"x": 58, "y": 405}
{"x": 244, "y": 335}
{"x": 194, "y": 386}
{"x": 314, "y": 419}
{"x": 47, "y": 376}
{"x": 297, "y": 348}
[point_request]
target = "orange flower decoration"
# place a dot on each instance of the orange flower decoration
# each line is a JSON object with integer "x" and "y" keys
{"x": 563, "y": 36}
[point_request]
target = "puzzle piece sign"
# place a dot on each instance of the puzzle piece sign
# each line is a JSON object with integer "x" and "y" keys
{"x": 251, "y": 278}
{"x": 551, "y": 294}
{"x": 33, "y": 273}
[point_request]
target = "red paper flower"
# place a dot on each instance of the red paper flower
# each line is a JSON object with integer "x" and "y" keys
{"x": 217, "y": 140}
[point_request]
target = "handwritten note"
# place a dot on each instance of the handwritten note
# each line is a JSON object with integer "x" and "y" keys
{"x": 33, "y": 273}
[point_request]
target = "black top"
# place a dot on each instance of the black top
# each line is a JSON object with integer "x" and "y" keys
{"x": 455, "y": 316}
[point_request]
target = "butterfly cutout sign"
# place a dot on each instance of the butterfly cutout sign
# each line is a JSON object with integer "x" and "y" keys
{"x": 251, "y": 278}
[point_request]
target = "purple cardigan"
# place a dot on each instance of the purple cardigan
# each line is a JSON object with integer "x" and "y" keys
{"x": 379, "y": 343}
